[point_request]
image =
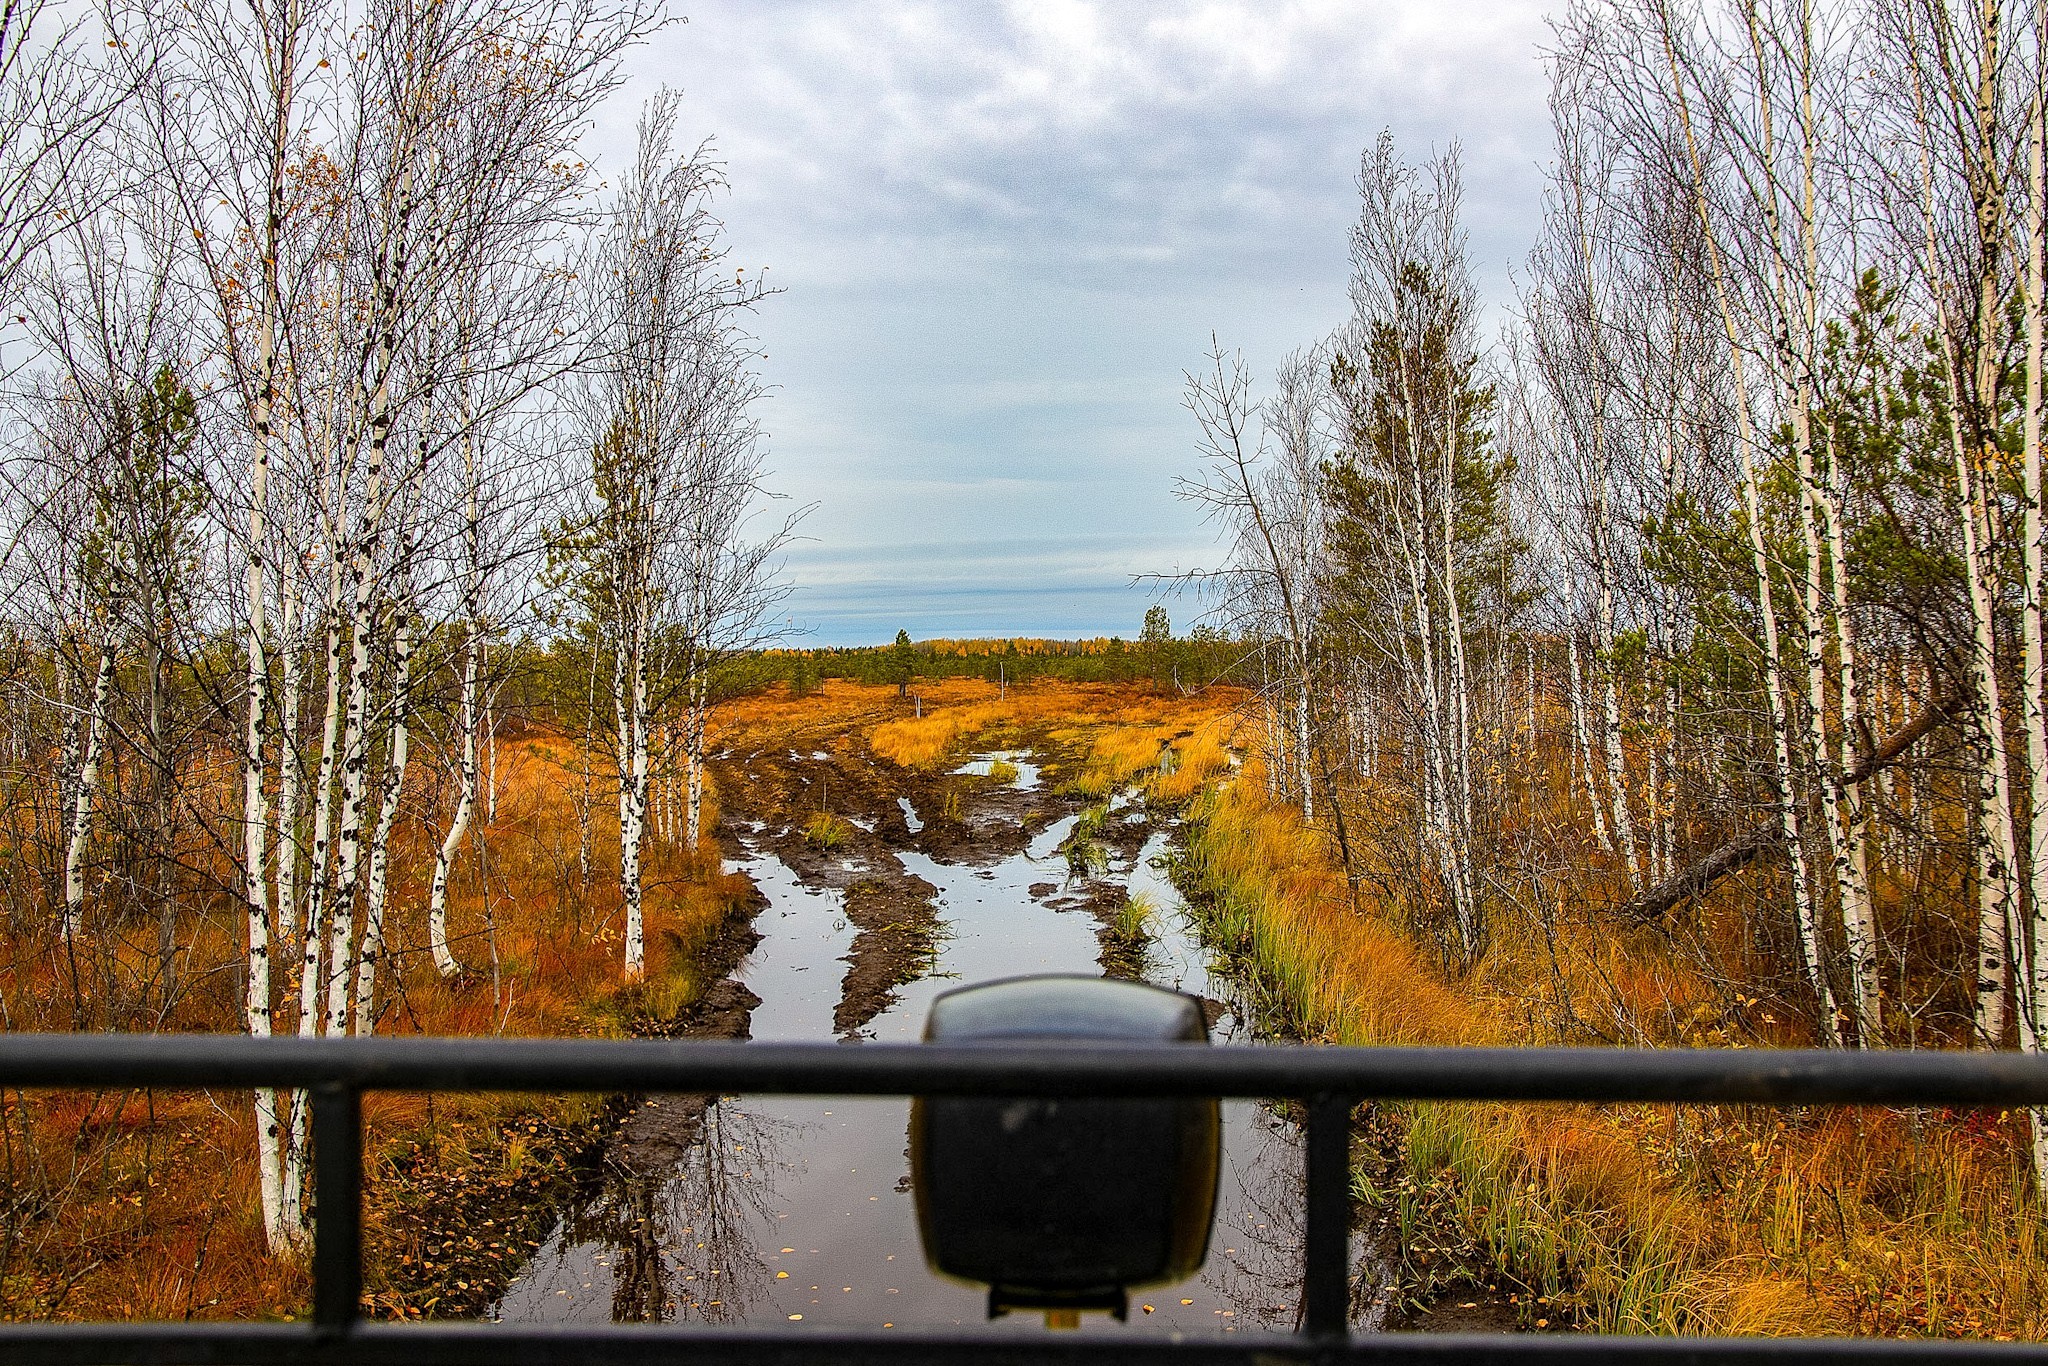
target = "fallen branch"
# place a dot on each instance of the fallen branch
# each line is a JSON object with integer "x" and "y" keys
{"x": 1699, "y": 879}
{"x": 1704, "y": 875}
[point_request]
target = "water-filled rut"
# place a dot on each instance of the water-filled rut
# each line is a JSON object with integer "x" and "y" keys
{"x": 790, "y": 1209}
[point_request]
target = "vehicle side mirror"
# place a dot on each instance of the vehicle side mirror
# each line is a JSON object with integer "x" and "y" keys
{"x": 1064, "y": 1204}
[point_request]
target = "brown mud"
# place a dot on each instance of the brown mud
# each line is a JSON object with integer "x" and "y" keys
{"x": 454, "y": 1218}
{"x": 770, "y": 794}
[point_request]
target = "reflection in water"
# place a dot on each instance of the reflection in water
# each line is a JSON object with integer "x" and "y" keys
{"x": 639, "y": 1292}
{"x": 677, "y": 1241}
{"x": 1255, "y": 1248}
{"x": 786, "y": 1207}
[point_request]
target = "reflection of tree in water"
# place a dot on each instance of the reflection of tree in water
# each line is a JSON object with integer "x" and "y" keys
{"x": 638, "y": 1294}
{"x": 1255, "y": 1261}
{"x": 680, "y": 1241}
{"x": 1255, "y": 1249}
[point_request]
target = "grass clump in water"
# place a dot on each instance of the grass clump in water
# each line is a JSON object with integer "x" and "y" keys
{"x": 1126, "y": 934}
{"x": 826, "y": 831}
{"x": 1134, "y": 917}
{"x": 1002, "y": 771}
{"x": 1085, "y": 855}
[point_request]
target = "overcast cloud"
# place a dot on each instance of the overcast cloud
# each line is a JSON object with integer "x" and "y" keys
{"x": 1002, "y": 233}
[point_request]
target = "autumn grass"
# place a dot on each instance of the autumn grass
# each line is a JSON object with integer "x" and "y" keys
{"x": 1134, "y": 917}
{"x": 1169, "y": 762}
{"x": 1624, "y": 1218}
{"x": 1125, "y": 732}
{"x": 142, "y": 1205}
{"x": 826, "y": 831}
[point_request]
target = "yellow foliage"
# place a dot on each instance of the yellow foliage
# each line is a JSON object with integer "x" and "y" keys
{"x": 922, "y": 742}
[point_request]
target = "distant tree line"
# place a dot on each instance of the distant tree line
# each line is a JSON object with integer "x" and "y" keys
{"x": 1169, "y": 663}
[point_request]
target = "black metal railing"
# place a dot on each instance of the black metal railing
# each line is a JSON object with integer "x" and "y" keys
{"x": 1331, "y": 1081}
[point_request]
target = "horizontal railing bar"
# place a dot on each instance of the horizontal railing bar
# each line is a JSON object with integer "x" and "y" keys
{"x": 1760, "y": 1076}
{"x": 565, "y": 1345}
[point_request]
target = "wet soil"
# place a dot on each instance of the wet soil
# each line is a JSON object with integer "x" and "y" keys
{"x": 771, "y": 794}
{"x": 450, "y": 1227}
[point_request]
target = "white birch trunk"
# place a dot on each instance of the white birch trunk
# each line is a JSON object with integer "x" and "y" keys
{"x": 1781, "y": 744}
{"x": 1748, "y": 438}
{"x": 633, "y": 796}
{"x": 84, "y": 792}
{"x": 1859, "y": 915}
{"x": 378, "y": 413}
{"x": 317, "y": 883}
{"x": 280, "y": 50}
{"x": 290, "y": 768}
{"x": 295, "y": 1213}
{"x": 1997, "y": 843}
{"x": 376, "y": 892}
{"x": 349, "y": 837}
{"x": 1797, "y": 290}
{"x": 437, "y": 892}
{"x": 1437, "y": 819}
{"x": 694, "y": 831}
{"x": 1461, "y": 674}
{"x": 1583, "y": 745}
{"x": 1996, "y": 840}
{"x": 2034, "y": 999}
{"x": 1610, "y": 730}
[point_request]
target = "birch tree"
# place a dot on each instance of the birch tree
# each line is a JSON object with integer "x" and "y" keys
{"x": 1952, "y": 105}
{"x": 1260, "y": 484}
{"x": 659, "y": 562}
{"x": 1424, "y": 538}
{"x": 219, "y": 122}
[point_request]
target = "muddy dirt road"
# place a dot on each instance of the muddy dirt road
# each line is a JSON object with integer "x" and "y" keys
{"x": 771, "y": 1210}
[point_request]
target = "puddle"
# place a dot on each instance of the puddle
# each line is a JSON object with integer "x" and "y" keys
{"x": 1027, "y": 771}
{"x": 910, "y": 815}
{"x": 804, "y": 933}
{"x": 797, "y": 1206}
{"x": 1046, "y": 844}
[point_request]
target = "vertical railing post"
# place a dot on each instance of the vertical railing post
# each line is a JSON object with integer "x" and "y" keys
{"x": 1326, "y": 1245}
{"x": 338, "y": 1206}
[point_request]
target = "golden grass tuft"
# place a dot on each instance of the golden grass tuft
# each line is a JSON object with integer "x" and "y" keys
{"x": 826, "y": 831}
{"x": 923, "y": 742}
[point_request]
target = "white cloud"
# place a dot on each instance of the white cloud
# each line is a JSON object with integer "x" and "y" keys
{"x": 1005, "y": 229}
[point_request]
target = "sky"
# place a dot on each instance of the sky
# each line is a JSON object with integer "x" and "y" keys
{"x": 1002, "y": 233}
